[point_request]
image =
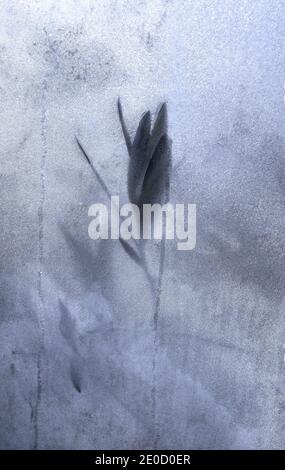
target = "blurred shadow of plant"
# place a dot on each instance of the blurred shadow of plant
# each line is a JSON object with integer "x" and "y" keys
{"x": 148, "y": 179}
{"x": 148, "y": 170}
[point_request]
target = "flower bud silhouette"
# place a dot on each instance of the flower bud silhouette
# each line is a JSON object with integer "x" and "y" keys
{"x": 150, "y": 158}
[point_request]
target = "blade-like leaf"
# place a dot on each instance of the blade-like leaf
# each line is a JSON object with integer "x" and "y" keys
{"x": 131, "y": 252}
{"x": 159, "y": 128}
{"x": 156, "y": 182}
{"x": 76, "y": 372}
{"x": 66, "y": 326}
{"x": 139, "y": 158}
{"x": 84, "y": 257}
{"x": 100, "y": 179}
{"x": 124, "y": 128}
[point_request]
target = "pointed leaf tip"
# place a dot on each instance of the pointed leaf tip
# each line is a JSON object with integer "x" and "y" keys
{"x": 124, "y": 127}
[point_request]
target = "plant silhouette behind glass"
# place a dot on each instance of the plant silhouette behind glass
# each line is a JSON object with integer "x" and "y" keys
{"x": 148, "y": 176}
{"x": 148, "y": 183}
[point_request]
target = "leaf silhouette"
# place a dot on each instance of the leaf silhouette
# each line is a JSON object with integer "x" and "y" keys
{"x": 76, "y": 367}
{"x": 100, "y": 179}
{"x": 156, "y": 182}
{"x": 131, "y": 252}
{"x": 84, "y": 258}
{"x": 159, "y": 128}
{"x": 67, "y": 329}
{"x": 124, "y": 128}
{"x": 139, "y": 158}
{"x": 67, "y": 326}
{"x": 140, "y": 138}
